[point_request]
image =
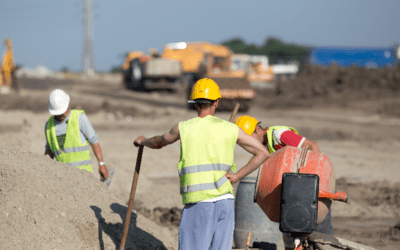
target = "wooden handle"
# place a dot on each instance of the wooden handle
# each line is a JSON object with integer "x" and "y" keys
{"x": 234, "y": 112}
{"x": 131, "y": 198}
{"x": 248, "y": 239}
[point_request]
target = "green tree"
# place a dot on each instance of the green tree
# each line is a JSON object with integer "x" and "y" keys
{"x": 276, "y": 50}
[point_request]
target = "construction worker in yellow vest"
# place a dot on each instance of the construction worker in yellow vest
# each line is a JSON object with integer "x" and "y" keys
{"x": 274, "y": 138}
{"x": 207, "y": 147}
{"x": 69, "y": 134}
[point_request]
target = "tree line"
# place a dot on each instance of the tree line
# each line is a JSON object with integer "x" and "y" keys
{"x": 276, "y": 50}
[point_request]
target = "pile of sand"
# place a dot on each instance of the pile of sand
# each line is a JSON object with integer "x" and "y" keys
{"x": 46, "y": 204}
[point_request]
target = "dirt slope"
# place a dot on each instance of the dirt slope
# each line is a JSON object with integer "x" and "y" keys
{"x": 48, "y": 205}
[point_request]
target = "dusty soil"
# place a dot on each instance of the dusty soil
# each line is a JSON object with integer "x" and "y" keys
{"x": 353, "y": 114}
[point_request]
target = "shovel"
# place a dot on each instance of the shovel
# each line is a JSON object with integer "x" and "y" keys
{"x": 234, "y": 112}
{"x": 131, "y": 198}
{"x": 109, "y": 178}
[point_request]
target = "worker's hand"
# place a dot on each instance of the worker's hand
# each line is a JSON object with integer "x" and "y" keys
{"x": 103, "y": 171}
{"x": 232, "y": 178}
{"x": 138, "y": 141}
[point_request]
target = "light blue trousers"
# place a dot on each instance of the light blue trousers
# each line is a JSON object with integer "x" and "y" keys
{"x": 207, "y": 226}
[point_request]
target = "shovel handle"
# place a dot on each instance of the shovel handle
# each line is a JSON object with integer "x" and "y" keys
{"x": 131, "y": 198}
{"x": 235, "y": 110}
{"x": 248, "y": 240}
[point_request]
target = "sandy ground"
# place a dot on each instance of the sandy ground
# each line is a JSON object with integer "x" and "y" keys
{"x": 362, "y": 145}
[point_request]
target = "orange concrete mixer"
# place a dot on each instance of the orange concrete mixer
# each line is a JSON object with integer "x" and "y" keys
{"x": 295, "y": 160}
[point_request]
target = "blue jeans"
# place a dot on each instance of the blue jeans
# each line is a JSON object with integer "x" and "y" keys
{"x": 207, "y": 226}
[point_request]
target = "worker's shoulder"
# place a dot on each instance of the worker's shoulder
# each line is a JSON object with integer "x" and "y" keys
{"x": 209, "y": 118}
{"x": 80, "y": 111}
{"x": 222, "y": 121}
{"x": 82, "y": 116}
{"x": 280, "y": 127}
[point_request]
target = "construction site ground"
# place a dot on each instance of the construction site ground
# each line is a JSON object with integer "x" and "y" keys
{"x": 355, "y": 119}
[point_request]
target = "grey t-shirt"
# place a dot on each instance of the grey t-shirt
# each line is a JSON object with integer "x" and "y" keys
{"x": 87, "y": 132}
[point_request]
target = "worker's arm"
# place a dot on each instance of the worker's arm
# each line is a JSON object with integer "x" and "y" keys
{"x": 90, "y": 135}
{"x": 313, "y": 146}
{"x": 290, "y": 138}
{"x": 47, "y": 150}
{"x": 253, "y": 146}
{"x": 99, "y": 155}
{"x": 158, "y": 141}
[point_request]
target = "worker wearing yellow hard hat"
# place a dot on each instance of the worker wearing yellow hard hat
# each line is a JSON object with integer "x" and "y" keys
{"x": 207, "y": 150}
{"x": 275, "y": 138}
{"x": 247, "y": 123}
{"x": 205, "y": 90}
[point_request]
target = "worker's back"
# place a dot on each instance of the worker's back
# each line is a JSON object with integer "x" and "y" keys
{"x": 207, "y": 146}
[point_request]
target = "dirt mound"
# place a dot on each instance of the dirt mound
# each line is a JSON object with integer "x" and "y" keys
{"x": 48, "y": 205}
{"x": 317, "y": 85}
{"x": 314, "y": 81}
{"x": 380, "y": 199}
{"x": 17, "y": 102}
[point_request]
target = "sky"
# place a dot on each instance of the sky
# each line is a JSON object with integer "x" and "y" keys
{"x": 50, "y": 32}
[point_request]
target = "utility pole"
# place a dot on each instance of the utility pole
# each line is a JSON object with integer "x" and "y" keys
{"x": 87, "y": 55}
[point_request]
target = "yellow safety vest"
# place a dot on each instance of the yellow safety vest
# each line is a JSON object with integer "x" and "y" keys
{"x": 207, "y": 146}
{"x": 270, "y": 136}
{"x": 75, "y": 153}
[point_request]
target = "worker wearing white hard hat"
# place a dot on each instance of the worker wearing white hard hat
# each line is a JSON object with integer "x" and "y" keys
{"x": 58, "y": 102}
{"x": 69, "y": 134}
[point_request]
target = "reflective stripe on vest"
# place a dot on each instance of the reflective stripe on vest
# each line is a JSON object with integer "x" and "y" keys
{"x": 207, "y": 146}
{"x": 270, "y": 136}
{"x": 205, "y": 186}
{"x": 75, "y": 153}
{"x": 71, "y": 150}
{"x": 203, "y": 168}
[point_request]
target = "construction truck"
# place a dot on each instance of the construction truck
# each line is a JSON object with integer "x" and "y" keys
{"x": 259, "y": 72}
{"x": 197, "y": 60}
{"x": 204, "y": 59}
{"x": 140, "y": 70}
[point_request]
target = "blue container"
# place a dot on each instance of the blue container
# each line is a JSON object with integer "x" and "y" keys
{"x": 249, "y": 217}
{"x": 365, "y": 57}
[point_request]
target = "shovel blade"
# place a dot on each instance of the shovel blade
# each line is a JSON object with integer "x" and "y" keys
{"x": 110, "y": 177}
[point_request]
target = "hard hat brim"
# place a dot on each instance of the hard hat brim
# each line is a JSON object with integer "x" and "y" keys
{"x": 200, "y": 101}
{"x": 58, "y": 111}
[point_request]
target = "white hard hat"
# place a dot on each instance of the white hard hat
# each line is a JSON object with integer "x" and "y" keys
{"x": 58, "y": 102}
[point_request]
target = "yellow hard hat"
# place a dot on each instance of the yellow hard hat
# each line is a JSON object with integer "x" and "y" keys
{"x": 205, "y": 89}
{"x": 247, "y": 123}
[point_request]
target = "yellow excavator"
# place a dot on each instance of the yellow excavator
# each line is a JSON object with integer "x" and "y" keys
{"x": 7, "y": 69}
{"x": 195, "y": 60}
